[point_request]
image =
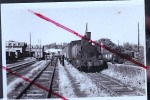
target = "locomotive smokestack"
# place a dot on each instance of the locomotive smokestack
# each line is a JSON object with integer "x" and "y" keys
{"x": 87, "y": 34}
{"x": 86, "y": 30}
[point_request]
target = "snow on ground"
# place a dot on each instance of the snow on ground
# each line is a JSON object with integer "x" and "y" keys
{"x": 30, "y": 58}
{"x": 26, "y": 60}
{"x": 13, "y": 84}
{"x": 86, "y": 84}
{"x": 65, "y": 87}
{"x": 128, "y": 74}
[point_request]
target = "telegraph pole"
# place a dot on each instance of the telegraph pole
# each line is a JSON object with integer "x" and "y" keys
{"x": 138, "y": 38}
{"x": 40, "y": 49}
{"x": 118, "y": 42}
{"x": 30, "y": 44}
{"x": 119, "y": 48}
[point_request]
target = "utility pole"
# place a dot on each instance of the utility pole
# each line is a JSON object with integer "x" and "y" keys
{"x": 119, "y": 47}
{"x": 40, "y": 49}
{"x": 118, "y": 42}
{"x": 30, "y": 44}
{"x": 138, "y": 38}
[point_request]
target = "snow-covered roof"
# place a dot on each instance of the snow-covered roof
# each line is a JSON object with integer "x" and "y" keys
{"x": 52, "y": 50}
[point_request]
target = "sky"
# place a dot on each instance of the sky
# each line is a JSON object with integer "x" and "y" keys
{"x": 116, "y": 22}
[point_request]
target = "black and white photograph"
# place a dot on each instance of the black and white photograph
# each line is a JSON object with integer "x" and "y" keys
{"x": 73, "y": 50}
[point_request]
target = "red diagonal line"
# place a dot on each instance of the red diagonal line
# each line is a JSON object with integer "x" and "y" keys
{"x": 36, "y": 84}
{"x": 79, "y": 35}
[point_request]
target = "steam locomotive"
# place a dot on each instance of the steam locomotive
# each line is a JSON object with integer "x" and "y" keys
{"x": 84, "y": 56}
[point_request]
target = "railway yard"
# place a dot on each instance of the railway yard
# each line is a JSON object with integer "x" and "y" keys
{"x": 79, "y": 69}
{"x": 69, "y": 82}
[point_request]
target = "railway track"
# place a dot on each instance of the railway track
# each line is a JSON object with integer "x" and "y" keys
{"x": 45, "y": 78}
{"x": 114, "y": 87}
{"x": 18, "y": 67}
{"x": 55, "y": 83}
{"x": 24, "y": 71}
{"x": 18, "y": 63}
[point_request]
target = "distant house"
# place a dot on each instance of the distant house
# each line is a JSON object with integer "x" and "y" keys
{"x": 54, "y": 51}
{"x": 35, "y": 51}
{"x": 18, "y": 47}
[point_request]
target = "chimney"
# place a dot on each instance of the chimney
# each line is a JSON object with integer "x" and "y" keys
{"x": 87, "y": 34}
{"x": 86, "y": 29}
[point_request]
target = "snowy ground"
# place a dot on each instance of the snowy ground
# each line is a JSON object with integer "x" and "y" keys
{"x": 29, "y": 58}
{"x": 26, "y": 60}
{"x": 85, "y": 84}
{"x": 65, "y": 87}
{"x": 39, "y": 65}
{"x": 128, "y": 74}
